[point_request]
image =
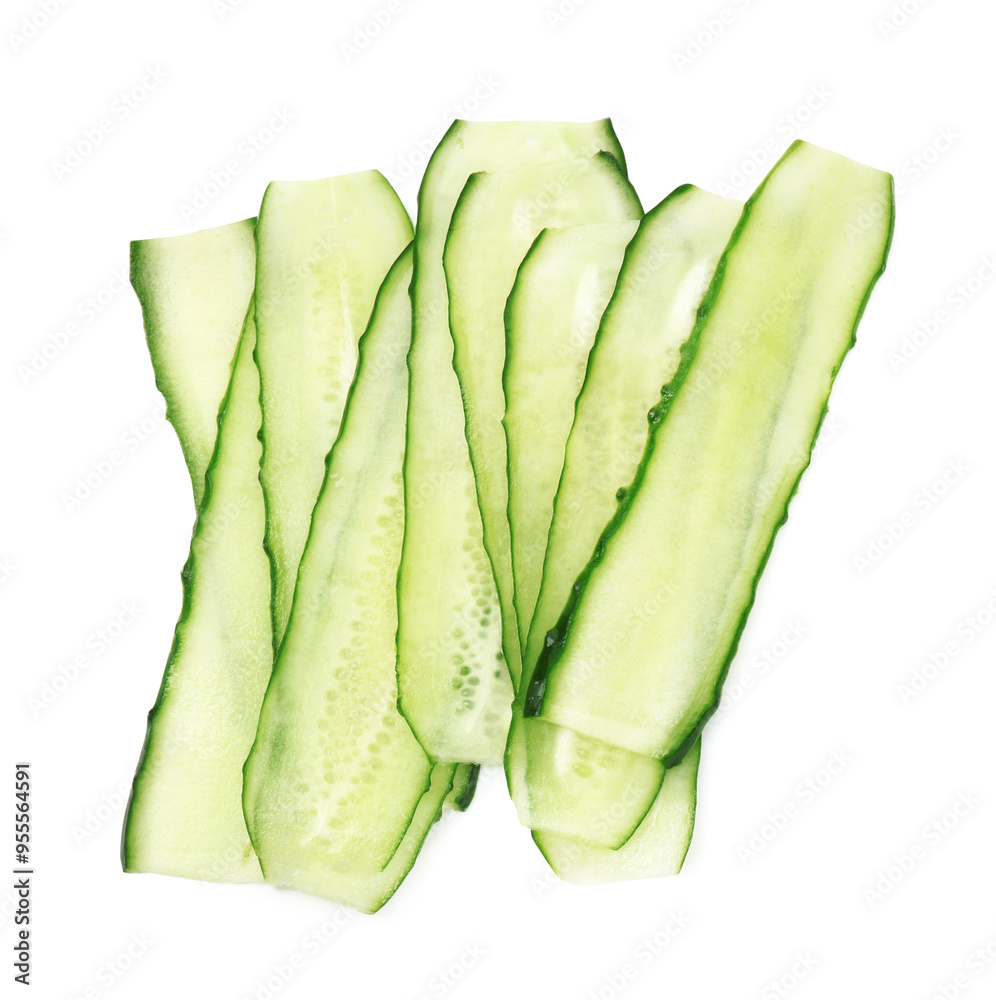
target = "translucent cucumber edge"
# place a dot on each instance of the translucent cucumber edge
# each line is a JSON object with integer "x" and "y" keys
{"x": 187, "y": 575}
{"x": 557, "y": 637}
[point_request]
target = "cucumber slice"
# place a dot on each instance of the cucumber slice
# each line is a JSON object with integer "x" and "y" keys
{"x": 194, "y": 291}
{"x": 185, "y": 816}
{"x": 369, "y": 891}
{"x": 560, "y": 292}
{"x": 464, "y": 786}
{"x": 496, "y": 219}
{"x": 666, "y": 270}
{"x": 445, "y": 579}
{"x": 335, "y": 774}
{"x": 658, "y": 847}
{"x": 586, "y": 790}
{"x": 691, "y": 538}
{"x": 665, "y": 274}
{"x": 323, "y": 250}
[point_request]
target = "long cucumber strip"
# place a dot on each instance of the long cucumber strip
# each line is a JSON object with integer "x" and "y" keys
{"x": 666, "y": 270}
{"x": 496, "y": 219}
{"x": 323, "y": 250}
{"x": 658, "y": 847}
{"x": 335, "y": 774}
{"x": 742, "y": 413}
{"x": 445, "y": 580}
{"x": 560, "y": 292}
{"x": 185, "y": 815}
{"x": 665, "y": 274}
{"x": 194, "y": 291}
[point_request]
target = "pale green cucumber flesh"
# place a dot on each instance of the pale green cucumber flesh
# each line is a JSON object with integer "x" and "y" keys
{"x": 734, "y": 432}
{"x": 446, "y": 582}
{"x": 665, "y": 273}
{"x": 496, "y": 219}
{"x": 185, "y": 816}
{"x": 369, "y": 891}
{"x": 335, "y": 774}
{"x": 656, "y": 849}
{"x": 194, "y": 291}
{"x": 584, "y": 789}
{"x": 323, "y": 248}
{"x": 560, "y": 292}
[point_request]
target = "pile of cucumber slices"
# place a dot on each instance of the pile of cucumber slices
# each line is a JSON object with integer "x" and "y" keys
{"x": 495, "y": 490}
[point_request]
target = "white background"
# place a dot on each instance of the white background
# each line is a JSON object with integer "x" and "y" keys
{"x": 887, "y": 97}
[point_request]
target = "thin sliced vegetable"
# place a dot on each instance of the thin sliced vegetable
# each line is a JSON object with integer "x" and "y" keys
{"x": 666, "y": 271}
{"x": 445, "y": 579}
{"x": 369, "y": 891}
{"x": 323, "y": 250}
{"x": 496, "y": 219}
{"x": 734, "y": 432}
{"x": 658, "y": 847}
{"x": 335, "y": 774}
{"x": 561, "y": 290}
{"x": 194, "y": 290}
{"x": 185, "y": 814}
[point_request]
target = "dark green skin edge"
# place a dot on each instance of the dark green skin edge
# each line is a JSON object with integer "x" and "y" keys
{"x": 450, "y": 135}
{"x": 557, "y": 637}
{"x": 387, "y": 282}
{"x": 463, "y": 801}
{"x": 187, "y": 575}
